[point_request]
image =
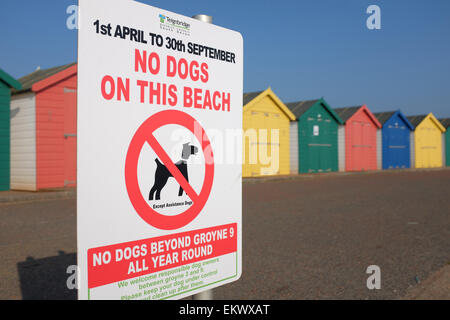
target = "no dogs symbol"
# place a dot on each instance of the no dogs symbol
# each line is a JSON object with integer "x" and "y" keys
{"x": 166, "y": 169}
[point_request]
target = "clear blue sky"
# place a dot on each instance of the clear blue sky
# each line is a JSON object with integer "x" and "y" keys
{"x": 302, "y": 49}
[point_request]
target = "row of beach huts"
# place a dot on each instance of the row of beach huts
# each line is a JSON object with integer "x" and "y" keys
{"x": 314, "y": 137}
{"x": 38, "y": 134}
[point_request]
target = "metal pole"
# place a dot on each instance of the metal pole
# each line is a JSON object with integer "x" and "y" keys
{"x": 203, "y": 18}
{"x": 208, "y": 294}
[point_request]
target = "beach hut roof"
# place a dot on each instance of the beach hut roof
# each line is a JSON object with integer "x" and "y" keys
{"x": 40, "y": 74}
{"x": 298, "y": 108}
{"x": 383, "y": 117}
{"x": 10, "y": 81}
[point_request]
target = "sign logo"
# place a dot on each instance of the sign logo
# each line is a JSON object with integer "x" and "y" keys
{"x": 174, "y": 25}
{"x": 143, "y": 135}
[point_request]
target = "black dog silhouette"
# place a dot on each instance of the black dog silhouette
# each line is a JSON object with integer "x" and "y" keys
{"x": 162, "y": 174}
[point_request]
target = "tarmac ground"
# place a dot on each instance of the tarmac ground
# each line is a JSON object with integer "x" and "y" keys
{"x": 304, "y": 237}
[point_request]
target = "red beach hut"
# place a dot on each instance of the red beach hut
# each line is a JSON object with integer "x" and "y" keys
{"x": 358, "y": 139}
{"x": 43, "y": 129}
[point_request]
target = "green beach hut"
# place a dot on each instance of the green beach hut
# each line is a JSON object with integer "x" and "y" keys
{"x": 6, "y": 83}
{"x": 316, "y": 138}
{"x": 446, "y": 142}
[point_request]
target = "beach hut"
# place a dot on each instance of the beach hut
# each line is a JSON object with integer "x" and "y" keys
{"x": 43, "y": 129}
{"x": 314, "y": 137}
{"x": 445, "y": 142}
{"x": 357, "y": 139}
{"x": 395, "y": 143}
{"x": 427, "y": 141}
{"x": 6, "y": 83}
{"x": 265, "y": 134}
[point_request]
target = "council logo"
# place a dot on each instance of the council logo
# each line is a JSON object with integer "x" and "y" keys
{"x": 174, "y": 25}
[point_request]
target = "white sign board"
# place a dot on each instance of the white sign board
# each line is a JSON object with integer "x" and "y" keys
{"x": 315, "y": 130}
{"x": 159, "y": 153}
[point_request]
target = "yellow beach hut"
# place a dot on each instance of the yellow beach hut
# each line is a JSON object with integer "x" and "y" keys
{"x": 427, "y": 141}
{"x": 266, "y": 134}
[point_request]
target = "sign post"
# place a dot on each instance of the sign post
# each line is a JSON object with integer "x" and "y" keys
{"x": 159, "y": 191}
{"x": 207, "y": 294}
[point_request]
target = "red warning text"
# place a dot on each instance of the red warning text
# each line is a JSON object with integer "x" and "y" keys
{"x": 147, "y": 90}
{"x": 123, "y": 261}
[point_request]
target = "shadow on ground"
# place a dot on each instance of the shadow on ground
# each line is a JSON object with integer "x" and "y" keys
{"x": 46, "y": 278}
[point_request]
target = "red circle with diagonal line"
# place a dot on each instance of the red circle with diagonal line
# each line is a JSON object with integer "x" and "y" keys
{"x": 143, "y": 135}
